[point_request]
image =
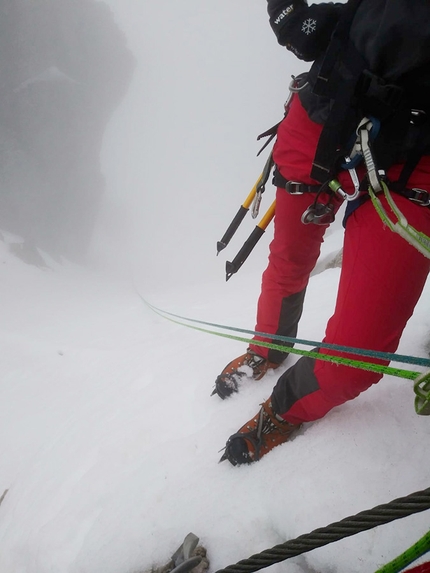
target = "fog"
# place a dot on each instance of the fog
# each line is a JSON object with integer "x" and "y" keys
{"x": 129, "y": 130}
{"x": 179, "y": 155}
{"x": 64, "y": 69}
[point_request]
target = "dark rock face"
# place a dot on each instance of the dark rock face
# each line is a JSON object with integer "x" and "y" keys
{"x": 64, "y": 68}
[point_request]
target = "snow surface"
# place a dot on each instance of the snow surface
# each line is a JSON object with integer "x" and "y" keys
{"x": 110, "y": 439}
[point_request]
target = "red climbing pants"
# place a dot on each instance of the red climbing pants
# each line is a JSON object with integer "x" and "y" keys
{"x": 381, "y": 280}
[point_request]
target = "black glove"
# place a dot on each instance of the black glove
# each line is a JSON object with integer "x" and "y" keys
{"x": 302, "y": 29}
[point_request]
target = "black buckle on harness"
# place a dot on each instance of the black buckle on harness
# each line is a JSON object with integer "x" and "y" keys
{"x": 420, "y": 196}
{"x": 295, "y": 188}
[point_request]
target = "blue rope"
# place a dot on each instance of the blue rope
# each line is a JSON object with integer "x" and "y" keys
{"x": 388, "y": 356}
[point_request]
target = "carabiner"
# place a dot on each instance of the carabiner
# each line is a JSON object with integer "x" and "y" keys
{"x": 294, "y": 87}
{"x": 336, "y": 187}
{"x": 355, "y": 180}
{"x": 256, "y": 203}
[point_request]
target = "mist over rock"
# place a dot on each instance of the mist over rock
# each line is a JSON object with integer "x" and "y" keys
{"x": 64, "y": 68}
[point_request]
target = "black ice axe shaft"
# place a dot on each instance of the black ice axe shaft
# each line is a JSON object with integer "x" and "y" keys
{"x": 244, "y": 208}
{"x": 232, "y": 267}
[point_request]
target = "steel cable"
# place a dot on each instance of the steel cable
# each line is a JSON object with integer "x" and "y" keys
{"x": 363, "y": 521}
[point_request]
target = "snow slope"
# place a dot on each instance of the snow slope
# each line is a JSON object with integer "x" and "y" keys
{"x": 110, "y": 439}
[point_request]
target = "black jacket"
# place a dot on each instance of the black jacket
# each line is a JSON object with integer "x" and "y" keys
{"x": 391, "y": 35}
{"x": 388, "y": 41}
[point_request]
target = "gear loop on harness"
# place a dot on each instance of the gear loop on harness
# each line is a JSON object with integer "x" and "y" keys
{"x": 377, "y": 184}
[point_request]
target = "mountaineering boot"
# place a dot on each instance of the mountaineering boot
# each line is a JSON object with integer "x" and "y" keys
{"x": 249, "y": 365}
{"x": 258, "y": 437}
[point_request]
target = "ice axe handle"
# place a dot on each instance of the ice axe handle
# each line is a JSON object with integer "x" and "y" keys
{"x": 234, "y": 225}
{"x": 232, "y": 267}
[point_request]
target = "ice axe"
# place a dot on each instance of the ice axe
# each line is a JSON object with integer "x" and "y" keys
{"x": 233, "y": 266}
{"x": 254, "y": 196}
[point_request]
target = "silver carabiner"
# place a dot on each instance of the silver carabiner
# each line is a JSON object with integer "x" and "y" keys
{"x": 256, "y": 204}
{"x": 336, "y": 187}
{"x": 294, "y": 88}
{"x": 355, "y": 181}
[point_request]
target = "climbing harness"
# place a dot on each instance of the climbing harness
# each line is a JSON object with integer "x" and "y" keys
{"x": 395, "y": 114}
{"x": 319, "y": 212}
{"x": 421, "y": 379}
{"x": 378, "y": 185}
{"x": 323, "y": 213}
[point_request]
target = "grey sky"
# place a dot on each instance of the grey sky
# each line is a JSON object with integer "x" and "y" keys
{"x": 180, "y": 153}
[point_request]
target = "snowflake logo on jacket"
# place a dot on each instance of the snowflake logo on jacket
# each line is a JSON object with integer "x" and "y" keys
{"x": 309, "y": 26}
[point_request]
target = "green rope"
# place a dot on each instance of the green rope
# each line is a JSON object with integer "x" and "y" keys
{"x": 420, "y": 548}
{"x": 369, "y": 366}
{"x": 389, "y": 356}
{"x": 415, "y": 238}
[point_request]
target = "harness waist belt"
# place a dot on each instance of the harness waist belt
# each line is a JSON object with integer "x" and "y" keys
{"x": 293, "y": 187}
{"x": 419, "y": 196}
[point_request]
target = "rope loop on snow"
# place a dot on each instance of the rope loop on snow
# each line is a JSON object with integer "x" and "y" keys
{"x": 369, "y": 519}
